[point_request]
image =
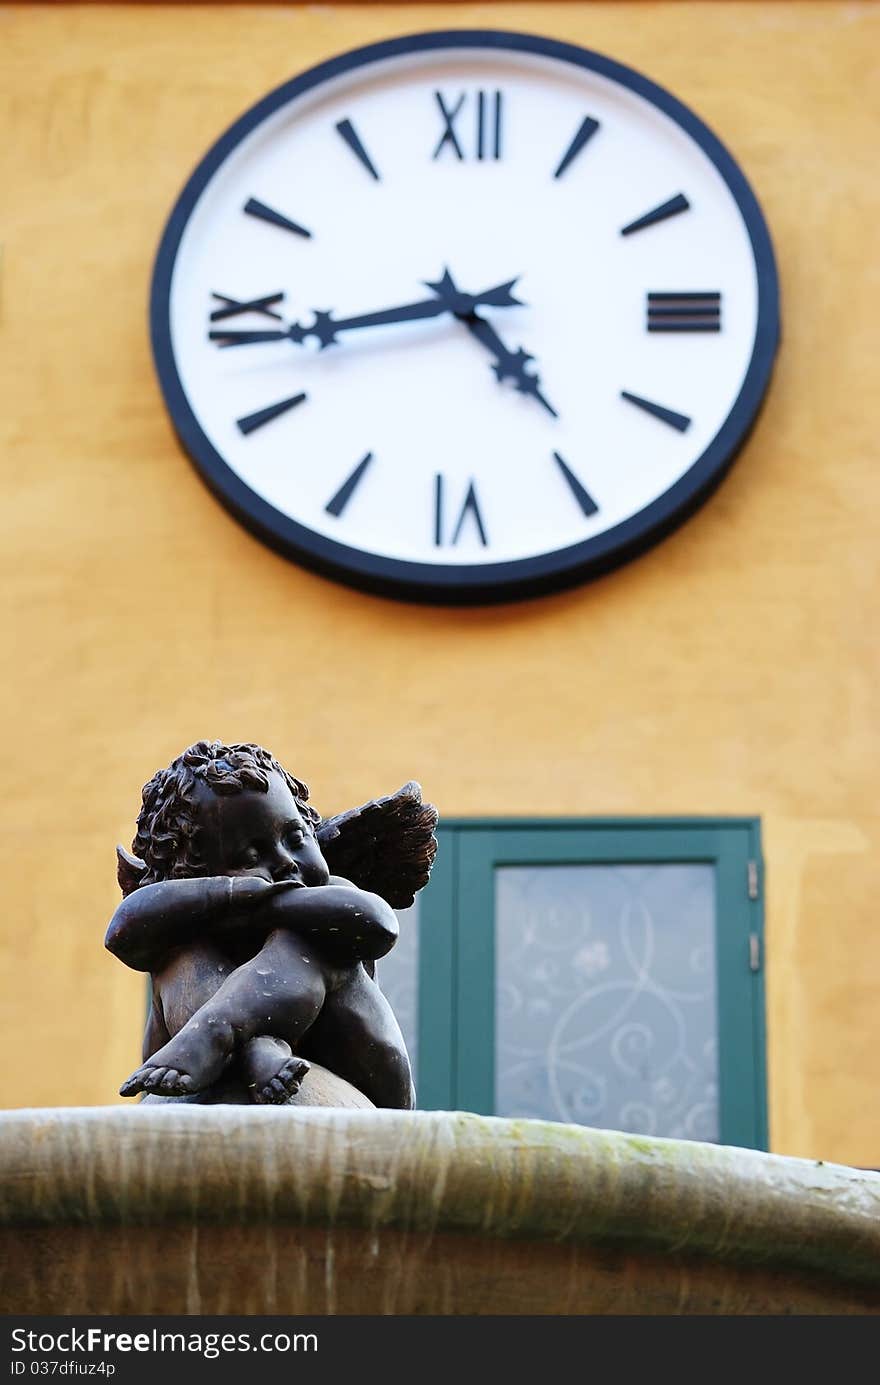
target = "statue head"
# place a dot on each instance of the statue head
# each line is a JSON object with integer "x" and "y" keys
{"x": 173, "y": 839}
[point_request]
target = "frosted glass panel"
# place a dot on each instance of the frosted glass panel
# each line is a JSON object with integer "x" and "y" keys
{"x": 606, "y": 1010}
{"x": 398, "y": 976}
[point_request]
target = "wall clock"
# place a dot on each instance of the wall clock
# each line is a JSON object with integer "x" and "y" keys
{"x": 465, "y": 316}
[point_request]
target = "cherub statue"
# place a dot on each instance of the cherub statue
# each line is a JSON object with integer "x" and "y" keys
{"x": 261, "y": 955}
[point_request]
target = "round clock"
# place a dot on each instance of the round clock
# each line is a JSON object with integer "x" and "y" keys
{"x": 465, "y": 316}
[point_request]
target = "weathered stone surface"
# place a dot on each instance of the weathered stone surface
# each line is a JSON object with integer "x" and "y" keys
{"x": 176, "y": 1208}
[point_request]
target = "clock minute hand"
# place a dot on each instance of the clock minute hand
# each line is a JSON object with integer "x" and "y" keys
{"x": 326, "y": 327}
{"x": 243, "y": 338}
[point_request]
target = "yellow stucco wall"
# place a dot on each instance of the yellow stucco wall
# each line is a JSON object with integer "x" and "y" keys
{"x": 731, "y": 670}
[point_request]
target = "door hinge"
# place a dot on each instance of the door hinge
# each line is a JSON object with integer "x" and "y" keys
{"x": 754, "y": 952}
{"x": 753, "y": 879}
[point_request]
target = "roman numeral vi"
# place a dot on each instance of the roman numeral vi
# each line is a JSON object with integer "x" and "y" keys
{"x": 470, "y": 506}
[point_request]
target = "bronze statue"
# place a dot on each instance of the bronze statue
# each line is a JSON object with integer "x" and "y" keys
{"x": 260, "y": 924}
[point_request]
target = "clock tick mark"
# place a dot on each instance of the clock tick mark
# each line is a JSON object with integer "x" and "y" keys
{"x": 673, "y": 207}
{"x": 253, "y": 207}
{"x": 581, "y": 494}
{"x": 251, "y": 422}
{"x": 355, "y": 144}
{"x": 584, "y": 133}
{"x": 681, "y": 422}
{"x": 337, "y": 504}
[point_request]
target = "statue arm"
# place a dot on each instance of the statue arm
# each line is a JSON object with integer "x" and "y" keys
{"x": 154, "y": 919}
{"x": 350, "y": 924}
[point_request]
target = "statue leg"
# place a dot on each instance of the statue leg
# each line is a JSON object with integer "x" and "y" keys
{"x": 277, "y": 993}
{"x": 155, "y": 1034}
{"x": 191, "y": 978}
{"x": 268, "y": 1068}
{"x": 358, "y": 1038}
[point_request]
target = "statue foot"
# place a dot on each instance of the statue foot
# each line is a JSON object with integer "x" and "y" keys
{"x": 272, "y": 1071}
{"x": 284, "y": 1084}
{"x": 163, "y": 1080}
{"x": 188, "y": 1063}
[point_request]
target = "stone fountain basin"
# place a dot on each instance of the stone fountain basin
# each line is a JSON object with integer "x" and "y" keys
{"x": 177, "y": 1208}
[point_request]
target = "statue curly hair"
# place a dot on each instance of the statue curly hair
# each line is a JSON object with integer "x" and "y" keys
{"x": 166, "y": 844}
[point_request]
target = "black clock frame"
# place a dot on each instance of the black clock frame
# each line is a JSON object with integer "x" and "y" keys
{"x": 455, "y": 584}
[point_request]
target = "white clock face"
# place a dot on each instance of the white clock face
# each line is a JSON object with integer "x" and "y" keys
{"x": 465, "y": 315}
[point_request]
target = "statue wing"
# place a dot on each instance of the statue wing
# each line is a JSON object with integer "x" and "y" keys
{"x": 130, "y": 870}
{"x": 386, "y": 846}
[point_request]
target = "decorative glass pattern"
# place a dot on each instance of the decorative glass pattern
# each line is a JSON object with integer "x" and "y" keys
{"x": 398, "y": 976}
{"x": 605, "y": 997}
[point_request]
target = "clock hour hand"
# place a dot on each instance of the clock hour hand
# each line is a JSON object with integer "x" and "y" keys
{"x": 509, "y": 365}
{"x": 326, "y": 327}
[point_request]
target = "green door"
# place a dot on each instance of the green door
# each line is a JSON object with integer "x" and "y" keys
{"x": 603, "y": 972}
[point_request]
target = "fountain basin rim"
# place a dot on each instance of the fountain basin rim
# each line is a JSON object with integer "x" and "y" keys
{"x": 434, "y": 1171}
